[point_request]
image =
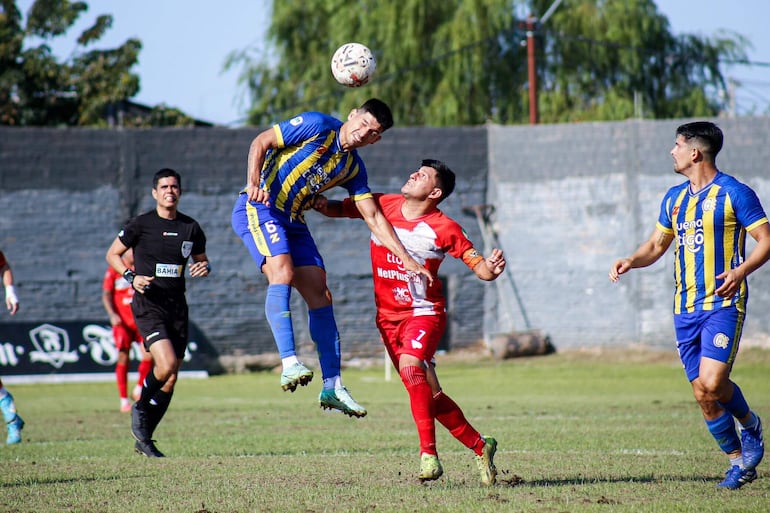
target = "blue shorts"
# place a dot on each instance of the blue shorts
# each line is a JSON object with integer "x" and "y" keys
{"x": 267, "y": 232}
{"x": 714, "y": 334}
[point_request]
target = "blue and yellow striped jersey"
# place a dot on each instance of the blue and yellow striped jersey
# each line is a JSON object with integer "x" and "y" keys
{"x": 309, "y": 160}
{"x": 710, "y": 235}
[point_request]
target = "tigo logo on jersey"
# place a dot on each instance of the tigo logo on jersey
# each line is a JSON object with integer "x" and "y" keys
{"x": 691, "y": 235}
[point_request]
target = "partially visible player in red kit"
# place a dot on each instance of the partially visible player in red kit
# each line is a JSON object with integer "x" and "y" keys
{"x": 117, "y": 295}
{"x": 411, "y": 313}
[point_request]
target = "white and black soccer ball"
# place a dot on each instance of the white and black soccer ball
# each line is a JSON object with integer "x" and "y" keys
{"x": 353, "y": 64}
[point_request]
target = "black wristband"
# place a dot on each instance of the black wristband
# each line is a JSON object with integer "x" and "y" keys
{"x": 129, "y": 275}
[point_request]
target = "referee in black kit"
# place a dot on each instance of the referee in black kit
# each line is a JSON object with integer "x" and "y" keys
{"x": 163, "y": 239}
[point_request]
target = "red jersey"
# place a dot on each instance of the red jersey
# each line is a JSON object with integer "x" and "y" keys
{"x": 122, "y": 294}
{"x": 427, "y": 239}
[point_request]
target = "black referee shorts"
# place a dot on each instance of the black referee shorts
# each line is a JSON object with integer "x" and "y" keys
{"x": 160, "y": 318}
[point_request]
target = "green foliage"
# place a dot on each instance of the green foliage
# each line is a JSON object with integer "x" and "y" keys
{"x": 579, "y": 432}
{"x": 160, "y": 115}
{"x": 38, "y": 90}
{"x": 595, "y": 54}
{"x": 464, "y": 62}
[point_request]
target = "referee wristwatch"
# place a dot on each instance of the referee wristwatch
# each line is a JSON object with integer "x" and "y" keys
{"x": 129, "y": 276}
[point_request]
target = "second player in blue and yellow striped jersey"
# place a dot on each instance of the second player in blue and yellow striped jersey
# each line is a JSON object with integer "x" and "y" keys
{"x": 707, "y": 218}
{"x": 709, "y": 229}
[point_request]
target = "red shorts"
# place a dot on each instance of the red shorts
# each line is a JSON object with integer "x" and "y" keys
{"x": 124, "y": 336}
{"x": 415, "y": 336}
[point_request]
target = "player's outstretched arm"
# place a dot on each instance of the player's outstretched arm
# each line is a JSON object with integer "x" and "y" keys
{"x": 383, "y": 230}
{"x": 646, "y": 254}
{"x": 490, "y": 268}
{"x": 327, "y": 207}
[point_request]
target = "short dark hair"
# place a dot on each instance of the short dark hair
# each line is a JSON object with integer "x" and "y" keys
{"x": 706, "y": 134}
{"x": 446, "y": 177}
{"x": 380, "y": 110}
{"x": 165, "y": 173}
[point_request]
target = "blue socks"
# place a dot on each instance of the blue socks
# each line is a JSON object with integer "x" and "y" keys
{"x": 723, "y": 430}
{"x": 737, "y": 404}
{"x": 323, "y": 331}
{"x": 278, "y": 316}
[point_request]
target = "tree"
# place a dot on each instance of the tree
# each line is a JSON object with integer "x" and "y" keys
{"x": 597, "y": 56}
{"x": 37, "y": 90}
{"x": 464, "y": 62}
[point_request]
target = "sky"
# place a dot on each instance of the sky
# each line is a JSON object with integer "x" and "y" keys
{"x": 185, "y": 45}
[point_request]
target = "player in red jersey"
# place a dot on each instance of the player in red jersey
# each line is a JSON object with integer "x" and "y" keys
{"x": 411, "y": 313}
{"x": 117, "y": 295}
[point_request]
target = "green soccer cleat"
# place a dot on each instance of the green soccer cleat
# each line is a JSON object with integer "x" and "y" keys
{"x": 430, "y": 467}
{"x": 340, "y": 399}
{"x": 486, "y": 462}
{"x": 295, "y": 375}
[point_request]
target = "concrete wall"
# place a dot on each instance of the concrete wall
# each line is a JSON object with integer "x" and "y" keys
{"x": 568, "y": 200}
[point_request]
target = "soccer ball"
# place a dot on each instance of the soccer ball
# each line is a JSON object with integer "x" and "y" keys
{"x": 353, "y": 65}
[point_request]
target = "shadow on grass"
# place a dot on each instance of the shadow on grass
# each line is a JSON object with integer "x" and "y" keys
{"x": 515, "y": 480}
{"x": 84, "y": 479}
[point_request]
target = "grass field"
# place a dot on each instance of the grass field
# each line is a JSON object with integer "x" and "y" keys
{"x": 577, "y": 432}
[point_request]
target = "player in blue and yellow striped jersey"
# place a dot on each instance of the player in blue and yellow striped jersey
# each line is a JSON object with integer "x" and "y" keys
{"x": 709, "y": 216}
{"x": 288, "y": 166}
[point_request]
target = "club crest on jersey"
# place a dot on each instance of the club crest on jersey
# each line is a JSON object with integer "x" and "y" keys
{"x": 186, "y": 248}
{"x": 721, "y": 340}
{"x": 709, "y": 204}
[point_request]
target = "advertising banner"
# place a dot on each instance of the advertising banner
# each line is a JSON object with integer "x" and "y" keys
{"x": 37, "y": 352}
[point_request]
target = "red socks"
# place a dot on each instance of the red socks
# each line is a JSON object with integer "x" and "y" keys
{"x": 145, "y": 366}
{"x": 121, "y": 375}
{"x": 421, "y": 401}
{"x": 426, "y": 407}
{"x": 451, "y": 417}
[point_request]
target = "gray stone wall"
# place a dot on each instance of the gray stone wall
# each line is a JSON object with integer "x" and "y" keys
{"x": 573, "y": 198}
{"x": 568, "y": 200}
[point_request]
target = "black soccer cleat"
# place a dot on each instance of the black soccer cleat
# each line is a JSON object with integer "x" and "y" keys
{"x": 147, "y": 448}
{"x": 139, "y": 423}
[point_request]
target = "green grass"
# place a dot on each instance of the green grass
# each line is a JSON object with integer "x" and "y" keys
{"x": 577, "y": 432}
